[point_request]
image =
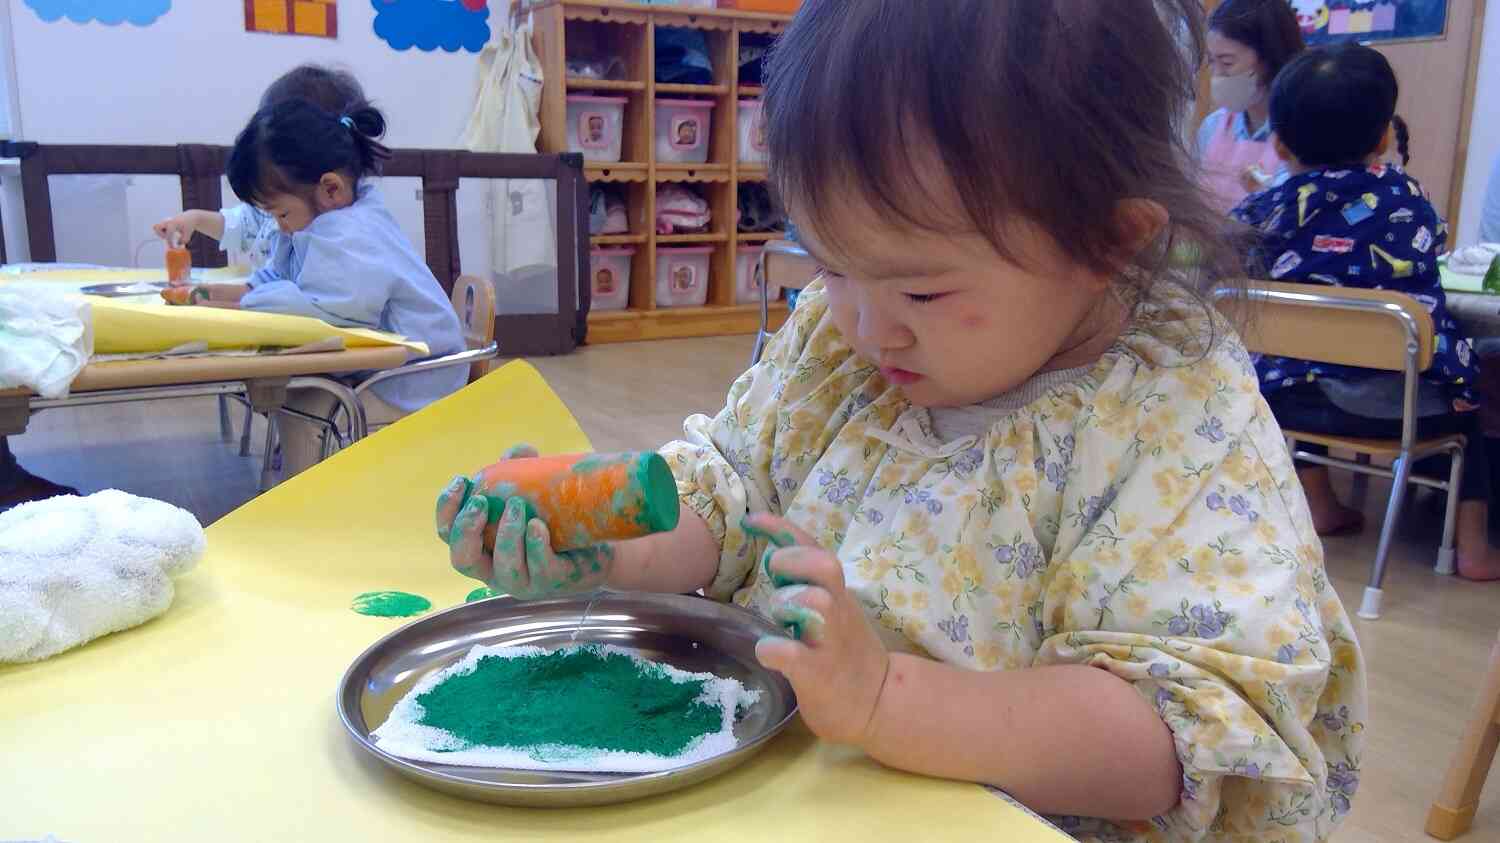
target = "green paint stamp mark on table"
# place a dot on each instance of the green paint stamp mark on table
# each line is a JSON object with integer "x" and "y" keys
{"x": 390, "y": 604}
{"x": 482, "y": 593}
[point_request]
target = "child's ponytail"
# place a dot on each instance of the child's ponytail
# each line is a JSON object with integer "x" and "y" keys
{"x": 1403, "y": 139}
{"x": 287, "y": 147}
{"x": 367, "y": 124}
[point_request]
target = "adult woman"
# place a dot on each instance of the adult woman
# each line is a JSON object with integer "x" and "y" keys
{"x": 1249, "y": 41}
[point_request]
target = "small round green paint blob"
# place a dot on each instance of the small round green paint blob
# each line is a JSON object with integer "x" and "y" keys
{"x": 482, "y": 593}
{"x": 390, "y": 604}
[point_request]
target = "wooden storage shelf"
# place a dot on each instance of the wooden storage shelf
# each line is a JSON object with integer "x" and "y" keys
{"x": 628, "y": 30}
{"x": 617, "y": 239}
{"x": 705, "y": 237}
{"x": 692, "y": 173}
{"x": 620, "y": 171}
{"x": 760, "y": 236}
{"x": 579, "y": 83}
{"x": 672, "y": 88}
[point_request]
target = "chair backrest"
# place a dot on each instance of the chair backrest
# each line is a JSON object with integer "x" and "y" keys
{"x": 786, "y": 265}
{"x": 474, "y": 302}
{"x": 1342, "y": 325}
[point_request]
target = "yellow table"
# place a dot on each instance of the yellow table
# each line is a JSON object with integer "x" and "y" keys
{"x": 215, "y": 722}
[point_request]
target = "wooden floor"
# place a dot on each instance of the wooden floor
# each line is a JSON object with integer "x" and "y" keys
{"x": 1425, "y": 654}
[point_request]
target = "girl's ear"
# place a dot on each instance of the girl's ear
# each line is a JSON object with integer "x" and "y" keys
{"x": 1139, "y": 221}
{"x": 334, "y": 191}
{"x": 1283, "y": 152}
{"x": 1387, "y": 141}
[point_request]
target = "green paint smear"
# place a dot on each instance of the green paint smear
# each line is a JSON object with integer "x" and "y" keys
{"x": 482, "y": 593}
{"x": 390, "y": 604}
{"x": 774, "y": 542}
{"x": 581, "y": 697}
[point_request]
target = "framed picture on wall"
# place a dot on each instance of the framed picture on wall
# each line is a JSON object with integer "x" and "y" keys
{"x": 1362, "y": 21}
{"x": 318, "y": 18}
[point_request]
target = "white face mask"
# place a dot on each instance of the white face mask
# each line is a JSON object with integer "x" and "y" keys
{"x": 1236, "y": 93}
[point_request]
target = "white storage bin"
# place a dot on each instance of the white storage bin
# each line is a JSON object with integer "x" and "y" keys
{"x": 752, "y": 133}
{"x": 682, "y": 128}
{"x": 746, "y": 291}
{"x": 682, "y": 276}
{"x": 609, "y": 278}
{"x": 595, "y": 126}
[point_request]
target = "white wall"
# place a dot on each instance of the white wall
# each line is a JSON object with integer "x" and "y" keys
{"x": 1484, "y": 136}
{"x": 194, "y": 76}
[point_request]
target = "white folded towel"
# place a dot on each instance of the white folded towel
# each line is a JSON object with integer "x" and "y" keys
{"x": 73, "y": 569}
{"x": 47, "y": 340}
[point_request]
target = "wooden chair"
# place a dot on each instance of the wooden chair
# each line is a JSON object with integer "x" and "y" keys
{"x": 1374, "y": 329}
{"x": 1453, "y": 811}
{"x": 782, "y": 264}
{"x": 474, "y": 302}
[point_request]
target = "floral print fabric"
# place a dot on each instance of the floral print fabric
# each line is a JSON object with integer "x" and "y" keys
{"x": 1144, "y": 519}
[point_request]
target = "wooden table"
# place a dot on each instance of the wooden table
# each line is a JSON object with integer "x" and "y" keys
{"x": 216, "y": 722}
{"x": 262, "y": 379}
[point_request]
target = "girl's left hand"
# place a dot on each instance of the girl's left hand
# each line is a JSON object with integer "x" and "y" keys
{"x": 837, "y": 665}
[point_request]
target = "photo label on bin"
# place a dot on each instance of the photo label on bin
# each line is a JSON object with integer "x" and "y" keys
{"x": 683, "y": 277}
{"x": 593, "y": 129}
{"x": 687, "y": 133}
{"x": 604, "y": 282}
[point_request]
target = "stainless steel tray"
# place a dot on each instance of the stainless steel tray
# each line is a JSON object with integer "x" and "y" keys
{"x": 689, "y": 633}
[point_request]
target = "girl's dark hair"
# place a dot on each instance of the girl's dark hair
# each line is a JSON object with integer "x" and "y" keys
{"x": 1269, "y": 27}
{"x": 1331, "y": 106}
{"x": 288, "y": 147}
{"x": 1051, "y": 112}
{"x": 334, "y": 91}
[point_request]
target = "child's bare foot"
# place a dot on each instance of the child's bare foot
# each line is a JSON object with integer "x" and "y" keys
{"x": 1330, "y": 518}
{"x": 1477, "y": 558}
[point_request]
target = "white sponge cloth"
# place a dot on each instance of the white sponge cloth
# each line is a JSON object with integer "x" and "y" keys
{"x": 75, "y": 568}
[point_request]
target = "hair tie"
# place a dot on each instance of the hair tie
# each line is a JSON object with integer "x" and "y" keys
{"x": 348, "y": 122}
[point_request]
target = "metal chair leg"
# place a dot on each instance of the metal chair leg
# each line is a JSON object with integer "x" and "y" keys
{"x": 267, "y": 472}
{"x": 226, "y": 431}
{"x": 1445, "y": 564}
{"x": 245, "y": 434}
{"x": 1369, "y": 607}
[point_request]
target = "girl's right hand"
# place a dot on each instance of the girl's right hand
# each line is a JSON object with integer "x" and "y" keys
{"x": 523, "y": 564}
{"x": 177, "y": 231}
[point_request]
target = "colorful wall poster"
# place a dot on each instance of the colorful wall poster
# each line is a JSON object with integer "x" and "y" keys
{"x": 318, "y": 18}
{"x": 111, "y": 12}
{"x": 451, "y": 25}
{"x": 1335, "y": 21}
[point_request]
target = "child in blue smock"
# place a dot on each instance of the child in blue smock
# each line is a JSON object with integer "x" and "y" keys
{"x": 339, "y": 256}
{"x": 1345, "y": 218}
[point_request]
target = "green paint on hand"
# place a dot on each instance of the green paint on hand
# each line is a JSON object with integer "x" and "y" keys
{"x": 774, "y": 541}
{"x": 482, "y": 593}
{"x": 582, "y": 697}
{"x": 390, "y": 604}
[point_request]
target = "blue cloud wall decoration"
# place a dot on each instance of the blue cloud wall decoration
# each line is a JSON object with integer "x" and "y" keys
{"x": 112, "y": 12}
{"x": 450, "y": 25}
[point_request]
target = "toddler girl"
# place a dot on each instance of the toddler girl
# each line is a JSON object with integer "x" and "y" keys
{"x": 245, "y": 229}
{"x": 338, "y": 256}
{"x": 1009, "y": 476}
{"x": 1346, "y": 218}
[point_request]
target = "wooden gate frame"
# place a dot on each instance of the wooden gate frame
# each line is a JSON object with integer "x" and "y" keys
{"x": 200, "y": 166}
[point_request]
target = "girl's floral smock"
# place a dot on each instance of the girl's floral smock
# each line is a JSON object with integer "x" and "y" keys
{"x": 1144, "y": 519}
{"x": 1369, "y": 227}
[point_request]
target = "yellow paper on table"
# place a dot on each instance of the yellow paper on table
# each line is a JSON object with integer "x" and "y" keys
{"x": 125, "y": 328}
{"x": 216, "y": 722}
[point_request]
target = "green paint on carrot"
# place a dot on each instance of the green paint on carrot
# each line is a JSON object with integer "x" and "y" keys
{"x": 390, "y": 604}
